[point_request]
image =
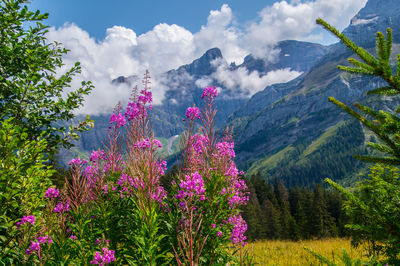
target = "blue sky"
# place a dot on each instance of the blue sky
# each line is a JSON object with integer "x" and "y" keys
{"x": 95, "y": 16}
{"x": 126, "y": 37}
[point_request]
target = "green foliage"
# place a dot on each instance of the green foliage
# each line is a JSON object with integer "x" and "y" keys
{"x": 345, "y": 259}
{"x": 384, "y": 124}
{"x": 23, "y": 178}
{"x": 273, "y": 212}
{"x": 30, "y": 89}
{"x": 307, "y": 162}
{"x": 374, "y": 204}
{"x": 375, "y": 211}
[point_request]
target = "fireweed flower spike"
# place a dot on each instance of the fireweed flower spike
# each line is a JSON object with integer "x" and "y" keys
{"x": 105, "y": 258}
{"x": 26, "y": 219}
{"x": 210, "y": 92}
{"x": 118, "y": 119}
{"x": 52, "y": 193}
{"x": 193, "y": 113}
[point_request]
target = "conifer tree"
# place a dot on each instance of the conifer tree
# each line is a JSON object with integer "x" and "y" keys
{"x": 384, "y": 124}
{"x": 374, "y": 206}
{"x": 251, "y": 214}
{"x": 270, "y": 220}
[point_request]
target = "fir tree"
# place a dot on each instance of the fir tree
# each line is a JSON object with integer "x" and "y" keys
{"x": 374, "y": 207}
{"x": 385, "y": 125}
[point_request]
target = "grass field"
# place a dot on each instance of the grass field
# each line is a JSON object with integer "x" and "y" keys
{"x": 293, "y": 253}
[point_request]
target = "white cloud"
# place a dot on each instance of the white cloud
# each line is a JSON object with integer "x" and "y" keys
{"x": 245, "y": 83}
{"x": 165, "y": 47}
{"x": 296, "y": 20}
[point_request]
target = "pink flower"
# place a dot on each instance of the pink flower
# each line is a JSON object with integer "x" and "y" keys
{"x": 213, "y": 226}
{"x": 193, "y": 113}
{"x": 118, "y": 119}
{"x": 157, "y": 143}
{"x": 35, "y": 246}
{"x": 61, "y": 207}
{"x": 26, "y": 219}
{"x": 197, "y": 143}
{"x": 219, "y": 234}
{"x": 97, "y": 155}
{"x": 159, "y": 195}
{"x": 162, "y": 167}
{"x": 105, "y": 258}
{"x": 73, "y": 237}
{"x": 239, "y": 228}
{"x": 192, "y": 186}
{"x": 52, "y": 193}
{"x": 210, "y": 92}
{"x": 145, "y": 143}
{"x": 77, "y": 162}
{"x": 225, "y": 149}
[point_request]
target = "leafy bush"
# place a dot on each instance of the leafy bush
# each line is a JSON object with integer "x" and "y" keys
{"x": 23, "y": 179}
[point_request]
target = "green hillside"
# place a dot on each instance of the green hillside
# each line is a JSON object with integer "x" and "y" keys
{"x": 309, "y": 161}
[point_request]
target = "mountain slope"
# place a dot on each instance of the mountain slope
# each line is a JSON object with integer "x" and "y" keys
{"x": 272, "y": 137}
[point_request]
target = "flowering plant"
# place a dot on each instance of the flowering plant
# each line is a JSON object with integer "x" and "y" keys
{"x": 113, "y": 208}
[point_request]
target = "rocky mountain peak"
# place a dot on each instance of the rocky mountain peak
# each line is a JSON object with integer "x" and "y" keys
{"x": 202, "y": 66}
{"x": 377, "y": 15}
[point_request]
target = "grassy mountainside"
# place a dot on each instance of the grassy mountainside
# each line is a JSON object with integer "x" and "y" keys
{"x": 305, "y": 162}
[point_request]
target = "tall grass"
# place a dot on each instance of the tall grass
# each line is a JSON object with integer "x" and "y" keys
{"x": 284, "y": 253}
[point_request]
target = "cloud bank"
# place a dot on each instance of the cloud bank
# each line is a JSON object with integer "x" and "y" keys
{"x": 166, "y": 47}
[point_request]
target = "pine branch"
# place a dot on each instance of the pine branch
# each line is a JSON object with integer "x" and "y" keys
{"x": 389, "y": 41}
{"x": 359, "y": 64}
{"x": 373, "y": 159}
{"x": 381, "y": 47}
{"x": 388, "y": 91}
{"x": 381, "y": 147}
{"x": 354, "y": 70}
{"x": 374, "y": 128}
{"x": 364, "y": 55}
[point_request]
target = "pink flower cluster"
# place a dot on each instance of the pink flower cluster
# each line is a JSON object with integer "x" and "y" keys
{"x": 77, "y": 162}
{"x": 210, "y": 92}
{"x": 137, "y": 109}
{"x": 61, "y": 207}
{"x": 239, "y": 228}
{"x": 158, "y": 195}
{"x": 52, "y": 193}
{"x": 239, "y": 196}
{"x": 192, "y": 186}
{"x": 144, "y": 144}
{"x": 35, "y": 245}
{"x": 162, "y": 167}
{"x": 225, "y": 149}
{"x": 105, "y": 258}
{"x": 26, "y": 219}
{"x": 157, "y": 143}
{"x": 118, "y": 119}
{"x": 97, "y": 155}
{"x": 113, "y": 161}
{"x": 198, "y": 143}
{"x": 133, "y": 111}
{"x": 193, "y": 113}
{"x": 127, "y": 184}
{"x": 90, "y": 174}
{"x": 145, "y": 97}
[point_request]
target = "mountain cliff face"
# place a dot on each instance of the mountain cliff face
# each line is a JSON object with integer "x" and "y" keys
{"x": 296, "y": 55}
{"x": 276, "y": 135}
{"x": 377, "y": 15}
